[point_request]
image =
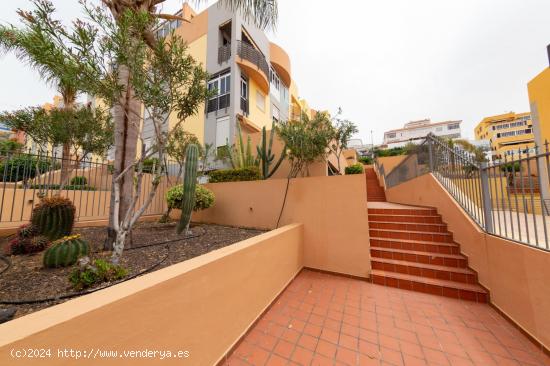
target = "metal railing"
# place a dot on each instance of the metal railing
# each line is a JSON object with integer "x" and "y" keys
{"x": 26, "y": 177}
{"x": 249, "y": 53}
{"x": 224, "y": 53}
{"x": 507, "y": 198}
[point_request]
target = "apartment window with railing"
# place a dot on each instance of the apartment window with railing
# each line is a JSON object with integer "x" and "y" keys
{"x": 275, "y": 82}
{"x": 454, "y": 126}
{"x": 244, "y": 95}
{"x": 221, "y": 85}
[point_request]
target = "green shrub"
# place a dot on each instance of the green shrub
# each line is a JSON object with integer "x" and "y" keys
{"x": 99, "y": 271}
{"x": 148, "y": 165}
{"x": 204, "y": 197}
{"x": 367, "y": 160}
{"x": 54, "y": 187}
{"x": 23, "y": 167}
{"x": 79, "y": 180}
{"x": 354, "y": 169}
{"x": 511, "y": 167}
{"x": 235, "y": 175}
{"x": 54, "y": 217}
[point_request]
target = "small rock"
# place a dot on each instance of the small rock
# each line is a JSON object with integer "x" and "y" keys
{"x": 6, "y": 314}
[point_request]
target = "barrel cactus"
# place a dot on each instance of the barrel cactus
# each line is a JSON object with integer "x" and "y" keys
{"x": 65, "y": 251}
{"x": 27, "y": 231}
{"x": 38, "y": 243}
{"x": 54, "y": 217}
{"x": 189, "y": 183}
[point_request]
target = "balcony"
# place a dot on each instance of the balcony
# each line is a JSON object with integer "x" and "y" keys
{"x": 224, "y": 53}
{"x": 253, "y": 62}
{"x": 281, "y": 62}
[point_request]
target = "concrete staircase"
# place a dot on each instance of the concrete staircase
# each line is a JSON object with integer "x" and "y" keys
{"x": 412, "y": 249}
{"x": 375, "y": 193}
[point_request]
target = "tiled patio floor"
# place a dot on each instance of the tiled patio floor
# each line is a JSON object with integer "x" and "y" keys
{"x": 323, "y": 319}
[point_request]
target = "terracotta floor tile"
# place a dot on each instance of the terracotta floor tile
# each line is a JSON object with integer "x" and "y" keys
{"x": 321, "y": 319}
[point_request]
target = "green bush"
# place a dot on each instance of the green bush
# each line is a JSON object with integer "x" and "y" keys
{"x": 511, "y": 167}
{"x": 69, "y": 187}
{"x": 235, "y": 175}
{"x": 204, "y": 197}
{"x": 148, "y": 165}
{"x": 98, "y": 272}
{"x": 354, "y": 169}
{"x": 367, "y": 160}
{"x": 79, "y": 180}
{"x": 22, "y": 167}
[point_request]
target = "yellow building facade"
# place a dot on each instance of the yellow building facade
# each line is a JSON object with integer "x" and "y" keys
{"x": 539, "y": 100}
{"x": 507, "y": 133}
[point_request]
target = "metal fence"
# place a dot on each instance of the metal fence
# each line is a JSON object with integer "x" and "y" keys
{"x": 27, "y": 177}
{"x": 509, "y": 198}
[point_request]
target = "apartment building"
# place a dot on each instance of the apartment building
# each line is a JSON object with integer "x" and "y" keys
{"x": 507, "y": 134}
{"x": 252, "y": 76}
{"x": 539, "y": 100}
{"x": 415, "y": 131}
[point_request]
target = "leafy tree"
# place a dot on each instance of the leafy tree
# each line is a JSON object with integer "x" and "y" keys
{"x": 307, "y": 141}
{"x": 10, "y": 146}
{"x": 343, "y": 129}
{"x": 477, "y": 152}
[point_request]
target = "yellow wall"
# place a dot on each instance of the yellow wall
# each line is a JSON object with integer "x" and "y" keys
{"x": 195, "y": 123}
{"x": 256, "y": 115}
{"x": 202, "y": 305}
{"x": 516, "y": 275}
{"x": 539, "y": 97}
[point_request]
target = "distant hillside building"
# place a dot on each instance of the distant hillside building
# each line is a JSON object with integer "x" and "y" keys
{"x": 415, "y": 132}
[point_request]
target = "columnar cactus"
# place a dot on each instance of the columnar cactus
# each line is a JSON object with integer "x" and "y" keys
{"x": 54, "y": 217}
{"x": 189, "y": 183}
{"x": 266, "y": 156}
{"x": 65, "y": 251}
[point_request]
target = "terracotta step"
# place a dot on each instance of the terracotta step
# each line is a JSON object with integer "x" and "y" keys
{"x": 434, "y": 219}
{"x": 409, "y": 226}
{"x": 416, "y": 245}
{"x": 457, "y": 274}
{"x": 412, "y": 235}
{"x": 439, "y": 259}
{"x": 433, "y": 286}
{"x": 401, "y": 211}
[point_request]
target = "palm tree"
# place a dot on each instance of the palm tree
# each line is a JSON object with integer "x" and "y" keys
{"x": 37, "y": 49}
{"x": 126, "y": 113}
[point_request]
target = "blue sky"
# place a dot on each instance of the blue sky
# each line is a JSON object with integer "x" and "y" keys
{"x": 384, "y": 62}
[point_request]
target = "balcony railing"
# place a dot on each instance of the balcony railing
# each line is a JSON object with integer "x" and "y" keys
{"x": 249, "y": 53}
{"x": 219, "y": 102}
{"x": 224, "y": 53}
{"x": 244, "y": 105}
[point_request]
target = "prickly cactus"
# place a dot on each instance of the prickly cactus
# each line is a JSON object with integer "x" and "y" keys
{"x": 54, "y": 217}
{"x": 38, "y": 243}
{"x": 65, "y": 251}
{"x": 266, "y": 156}
{"x": 189, "y": 183}
{"x": 27, "y": 231}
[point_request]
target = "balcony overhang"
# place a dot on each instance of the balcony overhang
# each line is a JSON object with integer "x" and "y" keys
{"x": 255, "y": 73}
{"x": 247, "y": 124}
{"x": 281, "y": 62}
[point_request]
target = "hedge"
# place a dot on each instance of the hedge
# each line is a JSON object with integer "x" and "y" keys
{"x": 234, "y": 175}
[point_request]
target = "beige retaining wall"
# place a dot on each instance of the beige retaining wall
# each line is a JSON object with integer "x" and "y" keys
{"x": 202, "y": 305}
{"x": 332, "y": 209}
{"x": 516, "y": 275}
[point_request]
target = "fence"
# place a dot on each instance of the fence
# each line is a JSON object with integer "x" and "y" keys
{"x": 27, "y": 177}
{"x": 508, "y": 198}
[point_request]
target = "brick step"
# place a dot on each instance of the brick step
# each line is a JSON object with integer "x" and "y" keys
{"x": 403, "y": 211}
{"x": 456, "y": 274}
{"x": 409, "y": 226}
{"x": 412, "y": 235}
{"x": 457, "y": 290}
{"x": 439, "y": 259}
{"x": 416, "y": 245}
{"x": 434, "y": 219}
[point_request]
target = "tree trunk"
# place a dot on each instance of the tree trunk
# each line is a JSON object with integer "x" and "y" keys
{"x": 126, "y": 123}
{"x": 65, "y": 165}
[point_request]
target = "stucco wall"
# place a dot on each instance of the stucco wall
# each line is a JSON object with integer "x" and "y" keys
{"x": 515, "y": 274}
{"x": 332, "y": 209}
{"x": 202, "y": 305}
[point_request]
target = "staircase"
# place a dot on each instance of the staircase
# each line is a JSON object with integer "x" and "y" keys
{"x": 412, "y": 249}
{"x": 375, "y": 193}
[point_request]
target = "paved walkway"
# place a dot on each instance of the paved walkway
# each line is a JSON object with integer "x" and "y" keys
{"x": 324, "y": 319}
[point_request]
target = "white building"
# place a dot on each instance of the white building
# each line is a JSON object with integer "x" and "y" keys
{"x": 416, "y": 131}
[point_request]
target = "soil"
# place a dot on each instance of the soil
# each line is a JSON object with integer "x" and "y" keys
{"x": 26, "y": 279}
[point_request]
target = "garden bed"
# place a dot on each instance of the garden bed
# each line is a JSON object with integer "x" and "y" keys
{"x": 26, "y": 279}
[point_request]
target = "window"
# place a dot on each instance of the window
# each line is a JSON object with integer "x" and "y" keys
{"x": 244, "y": 95}
{"x": 276, "y": 115}
{"x": 390, "y": 135}
{"x": 454, "y": 126}
{"x": 275, "y": 82}
{"x": 222, "y": 131}
{"x": 221, "y": 85}
{"x": 260, "y": 100}
{"x": 439, "y": 129}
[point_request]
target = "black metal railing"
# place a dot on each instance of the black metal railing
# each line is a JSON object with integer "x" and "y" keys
{"x": 224, "y": 53}
{"x": 508, "y": 198}
{"x": 244, "y": 105}
{"x": 219, "y": 102}
{"x": 247, "y": 52}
